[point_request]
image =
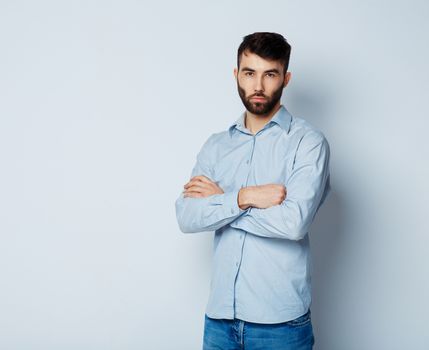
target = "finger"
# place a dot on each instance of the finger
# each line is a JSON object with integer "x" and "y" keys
{"x": 192, "y": 182}
{"x": 197, "y": 188}
{"x": 202, "y": 178}
{"x": 189, "y": 183}
{"x": 198, "y": 184}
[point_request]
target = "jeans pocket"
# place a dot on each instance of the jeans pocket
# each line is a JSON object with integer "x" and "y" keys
{"x": 301, "y": 320}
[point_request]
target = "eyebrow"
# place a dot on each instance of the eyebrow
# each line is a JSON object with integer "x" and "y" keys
{"x": 274, "y": 70}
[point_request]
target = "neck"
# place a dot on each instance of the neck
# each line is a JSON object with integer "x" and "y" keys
{"x": 255, "y": 122}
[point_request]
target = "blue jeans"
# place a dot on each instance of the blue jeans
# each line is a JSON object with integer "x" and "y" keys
{"x": 222, "y": 334}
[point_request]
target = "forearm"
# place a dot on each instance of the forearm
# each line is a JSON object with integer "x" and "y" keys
{"x": 289, "y": 220}
{"x": 208, "y": 213}
{"x": 244, "y": 198}
{"x": 307, "y": 187}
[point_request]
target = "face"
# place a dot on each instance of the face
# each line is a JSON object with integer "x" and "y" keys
{"x": 260, "y": 83}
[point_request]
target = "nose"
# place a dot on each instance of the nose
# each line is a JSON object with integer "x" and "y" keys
{"x": 259, "y": 87}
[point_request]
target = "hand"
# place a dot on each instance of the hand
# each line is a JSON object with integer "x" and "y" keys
{"x": 201, "y": 186}
{"x": 262, "y": 196}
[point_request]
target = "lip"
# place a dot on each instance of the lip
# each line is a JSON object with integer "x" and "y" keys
{"x": 258, "y": 99}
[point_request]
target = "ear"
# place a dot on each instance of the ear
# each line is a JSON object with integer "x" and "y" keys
{"x": 287, "y": 79}
{"x": 235, "y": 73}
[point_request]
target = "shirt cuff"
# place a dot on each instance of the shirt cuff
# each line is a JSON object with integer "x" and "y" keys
{"x": 230, "y": 203}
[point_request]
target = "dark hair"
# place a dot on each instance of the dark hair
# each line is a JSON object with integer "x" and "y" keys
{"x": 271, "y": 46}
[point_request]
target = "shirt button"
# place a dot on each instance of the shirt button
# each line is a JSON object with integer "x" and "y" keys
{"x": 236, "y": 264}
{"x": 232, "y": 210}
{"x": 247, "y": 161}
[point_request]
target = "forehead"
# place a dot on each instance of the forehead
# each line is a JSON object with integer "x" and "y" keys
{"x": 252, "y": 60}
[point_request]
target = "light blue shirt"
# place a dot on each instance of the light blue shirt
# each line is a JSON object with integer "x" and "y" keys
{"x": 261, "y": 257}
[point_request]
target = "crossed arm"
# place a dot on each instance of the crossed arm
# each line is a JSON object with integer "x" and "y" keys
{"x": 269, "y": 210}
{"x": 203, "y": 205}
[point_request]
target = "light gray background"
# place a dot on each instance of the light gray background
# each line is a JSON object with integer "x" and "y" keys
{"x": 103, "y": 108}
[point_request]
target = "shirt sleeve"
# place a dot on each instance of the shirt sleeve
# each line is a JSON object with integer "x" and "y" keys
{"x": 207, "y": 213}
{"x": 307, "y": 187}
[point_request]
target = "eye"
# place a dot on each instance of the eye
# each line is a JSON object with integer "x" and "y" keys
{"x": 271, "y": 75}
{"x": 248, "y": 74}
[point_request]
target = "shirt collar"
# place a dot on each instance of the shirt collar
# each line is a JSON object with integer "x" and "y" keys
{"x": 282, "y": 117}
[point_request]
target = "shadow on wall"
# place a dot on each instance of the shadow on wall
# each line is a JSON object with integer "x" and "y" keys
{"x": 327, "y": 241}
{"x": 314, "y": 98}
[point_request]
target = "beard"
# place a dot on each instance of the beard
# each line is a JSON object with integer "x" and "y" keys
{"x": 260, "y": 108}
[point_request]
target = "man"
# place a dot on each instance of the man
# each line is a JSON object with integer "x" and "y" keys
{"x": 258, "y": 185}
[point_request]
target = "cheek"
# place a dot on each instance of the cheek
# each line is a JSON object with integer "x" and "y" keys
{"x": 249, "y": 91}
{"x": 245, "y": 84}
{"x": 274, "y": 89}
